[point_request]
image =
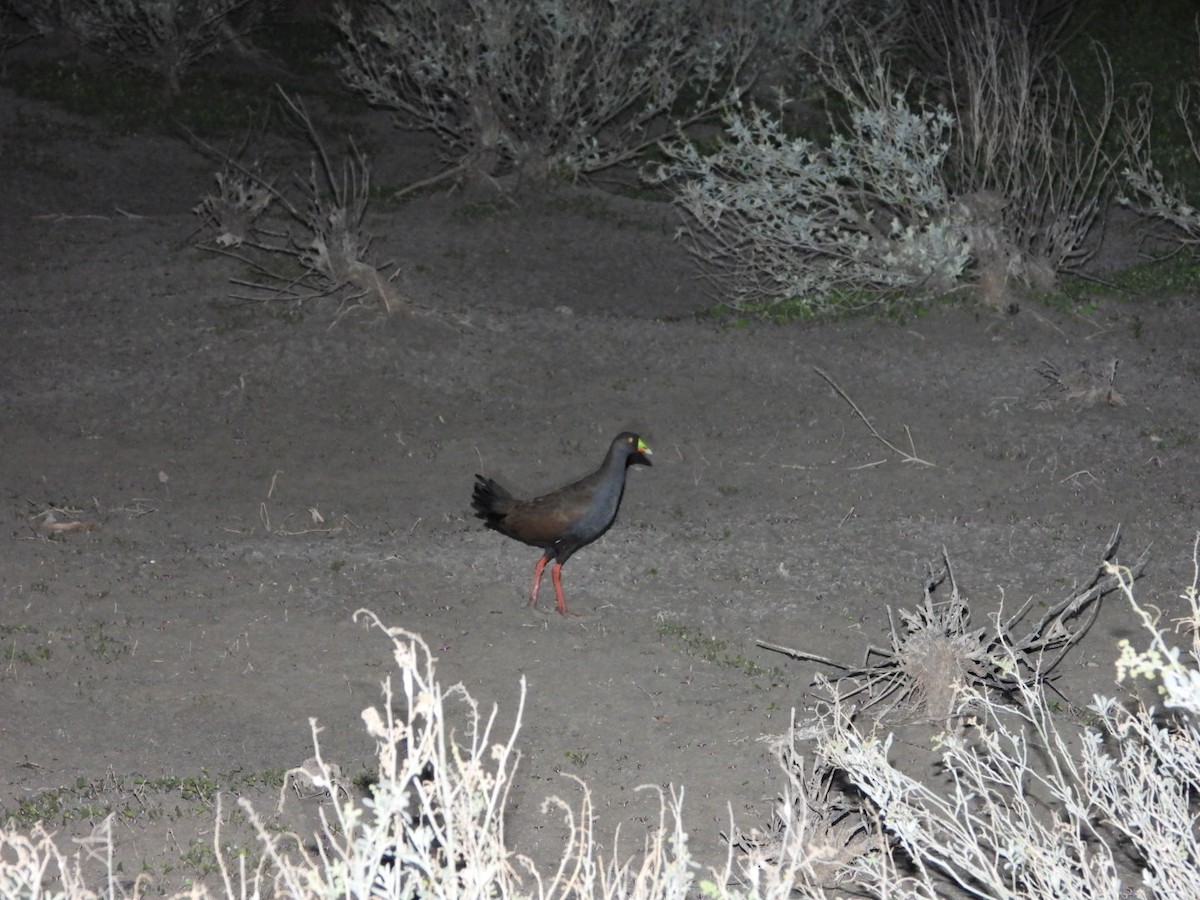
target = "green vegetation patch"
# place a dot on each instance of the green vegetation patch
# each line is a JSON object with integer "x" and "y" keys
{"x": 716, "y": 651}
{"x": 135, "y": 797}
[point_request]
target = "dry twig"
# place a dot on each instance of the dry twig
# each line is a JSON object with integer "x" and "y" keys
{"x": 908, "y": 457}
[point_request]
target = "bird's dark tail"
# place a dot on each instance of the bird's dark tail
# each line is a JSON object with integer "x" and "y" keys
{"x": 490, "y": 501}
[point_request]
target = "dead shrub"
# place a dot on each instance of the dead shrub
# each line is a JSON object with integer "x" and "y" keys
{"x": 323, "y": 228}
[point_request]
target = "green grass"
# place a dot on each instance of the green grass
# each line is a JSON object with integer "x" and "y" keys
{"x": 884, "y": 306}
{"x": 23, "y": 645}
{"x": 1171, "y": 437}
{"x": 1179, "y": 274}
{"x": 577, "y": 758}
{"x": 716, "y": 651}
{"x": 1174, "y": 275}
{"x": 131, "y": 798}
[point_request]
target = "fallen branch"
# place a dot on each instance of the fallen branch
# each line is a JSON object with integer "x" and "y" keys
{"x": 908, "y": 457}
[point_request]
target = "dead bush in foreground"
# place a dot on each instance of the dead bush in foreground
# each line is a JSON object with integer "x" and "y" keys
{"x": 1024, "y": 804}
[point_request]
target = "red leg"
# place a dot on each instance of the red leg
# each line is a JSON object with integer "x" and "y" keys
{"x": 537, "y": 579}
{"x": 556, "y": 577}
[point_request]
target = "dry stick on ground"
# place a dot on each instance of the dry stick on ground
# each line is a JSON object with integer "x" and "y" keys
{"x": 935, "y": 647}
{"x": 908, "y": 457}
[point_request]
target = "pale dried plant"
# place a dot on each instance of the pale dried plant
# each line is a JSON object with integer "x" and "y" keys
{"x": 1024, "y": 151}
{"x": 431, "y": 826}
{"x": 324, "y": 231}
{"x": 1006, "y": 816}
{"x": 1148, "y": 191}
{"x": 1026, "y": 802}
{"x": 786, "y": 32}
{"x": 566, "y": 87}
{"x": 1083, "y": 387}
{"x": 786, "y": 36}
{"x": 1180, "y": 685}
{"x": 29, "y": 863}
{"x": 771, "y": 217}
{"x": 231, "y": 215}
{"x": 983, "y": 170}
{"x": 814, "y": 838}
{"x": 1143, "y": 770}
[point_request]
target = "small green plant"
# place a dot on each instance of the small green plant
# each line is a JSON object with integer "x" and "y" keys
{"x": 578, "y": 758}
{"x": 101, "y": 645}
{"x": 201, "y": 857}
{"x": 1172, "y": 437}
{"x": 1177, "y": 274}
{"x": 131, "y": 798}
{"x": 714, "y": 650}
{"x": 22, "y": 644}
{"x": 31, "y": 657}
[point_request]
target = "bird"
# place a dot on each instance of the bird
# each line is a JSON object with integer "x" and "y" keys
{"x": 565, "y": 519}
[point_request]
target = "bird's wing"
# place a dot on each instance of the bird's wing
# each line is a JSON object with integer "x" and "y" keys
{"x": 544, "y": 520}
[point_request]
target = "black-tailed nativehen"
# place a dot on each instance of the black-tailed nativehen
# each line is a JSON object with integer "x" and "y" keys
{"x": 566, "y": 519}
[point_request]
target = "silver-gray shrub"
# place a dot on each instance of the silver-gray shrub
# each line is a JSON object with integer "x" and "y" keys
{"x": 1000, "y": 182}
{"x": 776, "y": 217}
{"x": 555, "y": 86}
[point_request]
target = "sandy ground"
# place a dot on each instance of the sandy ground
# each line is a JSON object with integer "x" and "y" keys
{"x": 193, "y": 633}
